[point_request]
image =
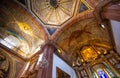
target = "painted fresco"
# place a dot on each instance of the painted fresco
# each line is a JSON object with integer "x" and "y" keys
{"x": 82, "y": 33}
{"x": 18, "y": 27}
{"x": 14, "y": 41}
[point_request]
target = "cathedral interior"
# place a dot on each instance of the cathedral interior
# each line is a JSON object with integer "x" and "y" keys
{"x": 59, "y": 38}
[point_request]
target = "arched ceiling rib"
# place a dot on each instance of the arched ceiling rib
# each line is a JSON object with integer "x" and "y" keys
{"x": 53, "y": 14}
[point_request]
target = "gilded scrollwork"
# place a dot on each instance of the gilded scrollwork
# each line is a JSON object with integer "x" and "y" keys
{"x": 4, "y": 66}
{"x": 7, "y": 65}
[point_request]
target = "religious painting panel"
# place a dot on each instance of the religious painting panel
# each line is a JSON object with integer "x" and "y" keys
{"x": 61, "y": 74}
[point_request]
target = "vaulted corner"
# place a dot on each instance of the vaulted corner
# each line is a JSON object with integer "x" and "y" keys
{"x": 19, "y": 30}
{"x": 81, "y": 34}
{"x": 53, "y": 12}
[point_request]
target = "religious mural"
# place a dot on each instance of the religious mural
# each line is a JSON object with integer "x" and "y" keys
{"x": 19, "y": 31}
{"x": 13, "y": 41}
{"x": 83, "y": 33}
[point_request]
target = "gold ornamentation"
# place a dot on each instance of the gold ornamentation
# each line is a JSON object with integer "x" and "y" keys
{"x": 4, "y": 66}
{"x": 89, "y": 54}
{"x": 24, "y": 27}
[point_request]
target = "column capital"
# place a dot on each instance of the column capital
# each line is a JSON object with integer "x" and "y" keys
{"x": 48, "y": 49}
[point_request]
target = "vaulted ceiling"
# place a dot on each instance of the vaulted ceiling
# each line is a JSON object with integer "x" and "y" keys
{"x": 71, "y": 24}
{"x": 53, "y": 12}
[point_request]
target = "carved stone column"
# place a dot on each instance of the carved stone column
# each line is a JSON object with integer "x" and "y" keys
{"x": 46, "y": 70}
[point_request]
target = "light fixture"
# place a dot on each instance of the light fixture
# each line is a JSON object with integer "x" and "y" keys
{"x": 102, "y": 25}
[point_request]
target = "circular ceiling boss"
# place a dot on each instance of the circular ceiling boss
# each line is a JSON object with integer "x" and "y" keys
{"x": 54, "y": 3}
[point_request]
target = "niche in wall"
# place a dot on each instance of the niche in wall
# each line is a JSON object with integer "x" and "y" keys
{"x": 61, "y": 74}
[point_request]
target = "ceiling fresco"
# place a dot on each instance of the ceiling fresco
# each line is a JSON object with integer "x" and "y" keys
{"x": 26, "y": 28}
{"x": 53, "y": 12}
{"x": 83, "y": 33}
{"x": 19, "y": 28}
